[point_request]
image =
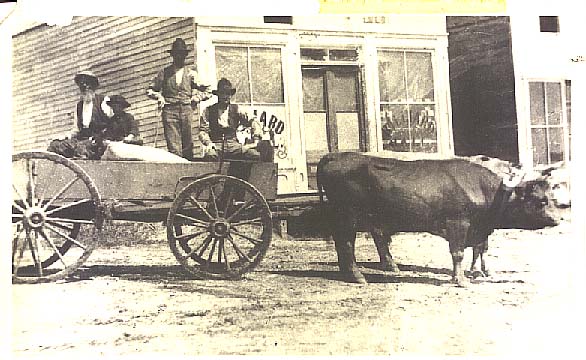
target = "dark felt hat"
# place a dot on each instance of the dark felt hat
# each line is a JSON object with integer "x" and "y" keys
{"x": 224, "y": 87}
{"x": 179, "y": 46}
{"x": 118, "y": 99}
{"x": 86, "y": 79}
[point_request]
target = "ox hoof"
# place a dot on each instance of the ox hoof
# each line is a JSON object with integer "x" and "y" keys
{"x": 478, "y": 274}
{"x": 392, "y": 268}
{"x": 354, "y": 277}
{"x": 460, "y": 282}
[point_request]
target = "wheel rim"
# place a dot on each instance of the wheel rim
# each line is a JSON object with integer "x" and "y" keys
{"x": 219, "y": 227}
{"x": 55, "y": 217}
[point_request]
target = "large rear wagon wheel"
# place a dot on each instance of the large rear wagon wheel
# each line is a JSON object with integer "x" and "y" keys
{"x": 56, "y": 217}
{"x": 219, "y": 227}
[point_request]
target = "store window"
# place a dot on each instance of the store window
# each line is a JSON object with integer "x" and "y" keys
{"x": 549, "y": 121}
{"x": 256, "y": 73}
{"x": 407, "y": 101}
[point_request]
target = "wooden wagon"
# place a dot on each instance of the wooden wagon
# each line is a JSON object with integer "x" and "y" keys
{"x": 218, "y": 220}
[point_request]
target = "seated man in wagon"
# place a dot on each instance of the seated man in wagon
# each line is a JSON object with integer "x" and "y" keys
{"x": 220, "y": 125}
{"x": 97, "y": 118}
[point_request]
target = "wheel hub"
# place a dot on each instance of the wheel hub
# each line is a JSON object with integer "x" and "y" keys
{"x": 220, "y": 228}
{"x": 34, "y": 217}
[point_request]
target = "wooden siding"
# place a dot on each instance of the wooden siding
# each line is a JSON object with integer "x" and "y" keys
{"x": 124, "y": 52}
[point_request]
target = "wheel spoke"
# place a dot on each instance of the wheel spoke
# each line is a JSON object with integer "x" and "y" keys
{"x": 65, "y": 236}
{"x": 211, "y": 254}
{"x": 252, "y": 240}
{"x": 186, "y": 237}
{"x": 239, "y": 251}
{"x": 200, "y": 206}
{"x": 34, "y": 245}
{"x": 246, "y": 222}
{"x": 20, "y": 253}
{"x": 54, "y": 247}
{"x": 214, "y": 203}
{"x": 69, "y": 221}
{"x": 22, "y": 198}
{"x": 17, "y": 216}
{"x": 62, "y": 226}
{"x": 244, "y": 206}
{"x": 195, "y": 222}
{"x": 15, "y": 241}
{"x": 15, "y": 204}
{"x": 228, "y": 199}
{"x": 225, "y": 256}
{"x": 60, "y": 192}
{"x": 30, "y": 165}
{"x": 66, "y": 206}
{"x": 203, "y": 247}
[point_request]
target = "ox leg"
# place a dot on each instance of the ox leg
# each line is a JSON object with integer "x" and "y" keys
{"x": 456, "y": 231}
{"x": 479, "y": 251}
{"x": 344, "y": 234}
{"x": 382, "y": 241}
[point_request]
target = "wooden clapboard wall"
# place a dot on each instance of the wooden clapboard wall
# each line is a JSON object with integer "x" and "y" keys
{"x": 124, "y": 52}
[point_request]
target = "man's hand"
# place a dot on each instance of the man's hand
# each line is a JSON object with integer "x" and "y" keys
{"x": 209, "y": 147}
{"x": 249, "y": 146}
{"x": 203, "y": 88}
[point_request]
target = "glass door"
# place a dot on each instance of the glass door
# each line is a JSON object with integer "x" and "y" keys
{"x": 333, "y": 113}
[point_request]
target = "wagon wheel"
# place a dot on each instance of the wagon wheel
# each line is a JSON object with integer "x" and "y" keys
{"x": 55, "y": 217}
{"x": 219, "y": 227}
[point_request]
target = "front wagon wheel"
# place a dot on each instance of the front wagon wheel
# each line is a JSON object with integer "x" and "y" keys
{"x": 56, "y": 221}
{"x": 219, "y": 227}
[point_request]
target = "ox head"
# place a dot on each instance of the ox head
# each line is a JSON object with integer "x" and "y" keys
{"x": 537, "y": 200}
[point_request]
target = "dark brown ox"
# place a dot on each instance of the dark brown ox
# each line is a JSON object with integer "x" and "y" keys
{"x": 456, "y": 199}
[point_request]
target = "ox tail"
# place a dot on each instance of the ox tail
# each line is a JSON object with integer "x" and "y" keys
{"x": 319, "y": 178}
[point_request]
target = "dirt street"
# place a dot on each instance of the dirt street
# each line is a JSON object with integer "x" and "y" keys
{"x": 136, "y": 299}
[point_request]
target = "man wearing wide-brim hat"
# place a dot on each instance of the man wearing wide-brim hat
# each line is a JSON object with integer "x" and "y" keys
{"x": 122, "y": 126}
{"x": 221, "y": 121}
{"x": 91, "y": 115}
{"x": 178, "y": 89}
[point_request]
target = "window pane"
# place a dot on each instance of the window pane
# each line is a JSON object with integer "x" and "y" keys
{"x": 537, "y": 103}
{"x": 423, "y": 128}
{"x": 343, "y": 91}
{"x": 316, "y": 137}
{"x": 554, "y": 103}
{"x": 267, "y": 79}
{"x": 556, "y": 144}
{"x": 232, "y": 63}
{"x": 539, "y": 141}
{"x": 395, "y": 127}
{"x": 391, "y": 73}
{"x": 348, "y": 132}
{"x": 343, "y": 55}
{"x": 419, "y": 77}
{"x": 314, "y": 54}
{"x": 313, "y": 92}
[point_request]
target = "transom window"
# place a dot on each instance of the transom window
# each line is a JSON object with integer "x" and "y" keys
{"x": 407, "y": 101}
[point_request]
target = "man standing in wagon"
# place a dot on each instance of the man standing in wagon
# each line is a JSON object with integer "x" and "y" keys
{"x": 178, "y": 90}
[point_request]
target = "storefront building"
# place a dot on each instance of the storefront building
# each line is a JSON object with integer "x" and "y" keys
{"x": 320, "y": 84}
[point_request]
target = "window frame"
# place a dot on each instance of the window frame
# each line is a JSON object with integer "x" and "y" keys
{"x": 563, "y": 125}
{"x": 248, "y": 46}
{"x": 435, "y": 102}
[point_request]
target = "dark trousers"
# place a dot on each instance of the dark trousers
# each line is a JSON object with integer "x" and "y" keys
{"x": 177, "y": 121}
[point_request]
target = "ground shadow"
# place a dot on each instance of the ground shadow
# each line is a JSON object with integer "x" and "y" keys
{"x": 370, "y": 278}
{"x": 377, "y": 266}
{"x": 138, "y": 272}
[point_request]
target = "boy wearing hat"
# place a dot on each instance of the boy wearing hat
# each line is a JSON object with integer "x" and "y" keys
{"x": 219, "y": 123}
{"x": 178, "y": 90}
{"x": 122, "y": 126}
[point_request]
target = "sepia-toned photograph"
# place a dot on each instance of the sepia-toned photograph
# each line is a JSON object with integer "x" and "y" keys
{"x": 363, "y": 183}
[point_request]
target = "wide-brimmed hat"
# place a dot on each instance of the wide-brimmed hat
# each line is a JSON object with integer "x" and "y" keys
{"x": 118, "y": 99}
{"x": 224, "y": 87}
{"x": 179, "y": 46}
{"x": 86, "y": 79}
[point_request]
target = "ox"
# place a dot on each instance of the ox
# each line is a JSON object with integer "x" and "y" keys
{"x": 456, "y": 199}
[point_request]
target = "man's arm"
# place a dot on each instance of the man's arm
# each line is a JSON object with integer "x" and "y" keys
{"x": 199, "y": 90}
{"x": 204, "y": 128}
{"x": 154, "y": 90}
